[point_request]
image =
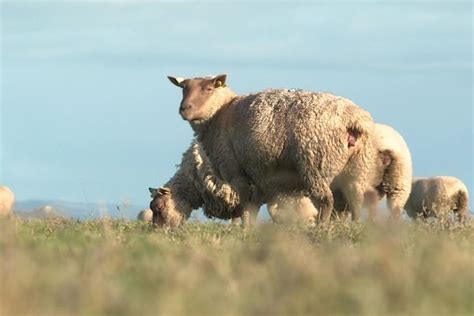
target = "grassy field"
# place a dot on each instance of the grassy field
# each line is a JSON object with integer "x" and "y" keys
{"x": 104, "y": 267}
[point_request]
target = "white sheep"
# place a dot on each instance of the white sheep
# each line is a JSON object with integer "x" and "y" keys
{"x": 145, "y": 215}
{"x": 391, "y": 176}
{"x": 438, "y": 196}
{"x": 7, "y": 199}
{"x": 281, "y": 141}
{"x": 292, "y": 208}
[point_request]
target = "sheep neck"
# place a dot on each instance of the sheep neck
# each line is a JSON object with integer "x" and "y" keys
{"x": 213, "y": 133}
{"x": 205, "y": 129}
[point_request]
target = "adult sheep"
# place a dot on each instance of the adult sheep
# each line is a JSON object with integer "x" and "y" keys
{"x": 438, "y": 196}
{"x": 145, "y": 215}
{"x": 281, "y": 141}
{"x": 391, "y": 176}
{"x": 195, "y": 185}
{"x": 7, "y": 199}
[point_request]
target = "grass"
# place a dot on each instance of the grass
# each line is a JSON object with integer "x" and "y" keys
{"x": 116, "y": 267}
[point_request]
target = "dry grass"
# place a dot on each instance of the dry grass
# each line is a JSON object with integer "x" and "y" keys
{"x": 127, "y": 268}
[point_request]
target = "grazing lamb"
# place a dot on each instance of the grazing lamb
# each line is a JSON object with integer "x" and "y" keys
{"x": 190, "y": 188}
{"x": 195, "y": 184}
{"x": 438, "y": 196}
{"x": 391, "y": 175}
{"x": 281, "y": 141}
{"x": 7, "y": 199}
{"x": 145, "y": 215}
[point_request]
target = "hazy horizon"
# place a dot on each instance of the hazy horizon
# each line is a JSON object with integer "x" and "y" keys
{"x": 88, "y": 115}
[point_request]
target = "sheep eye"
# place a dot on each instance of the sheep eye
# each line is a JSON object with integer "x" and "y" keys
{"x": 209, "y": 89}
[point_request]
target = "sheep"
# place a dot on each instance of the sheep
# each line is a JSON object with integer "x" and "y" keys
{"x": 391, "y": 176}
{"x": 393, "y": 179}
{"x": 145, "y": 215}
{"x": 438, "y": 196}
{"x": 281, "y": 141}
{"x": 292, "y": 208}
{"x": 195, "y": 184}
{"x": 46, "y": 212}
{"x": 7, "y": 199}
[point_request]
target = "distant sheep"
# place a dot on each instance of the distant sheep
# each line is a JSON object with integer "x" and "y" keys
{"x": 145, "y": 215}
{"x": 281, "y": 141}
{"x": 7, "y": 199}
{"x": 391, "y": 174}
{"x": 438, "y": 196}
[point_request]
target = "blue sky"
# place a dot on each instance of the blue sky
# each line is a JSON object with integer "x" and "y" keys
{"x": 87, "y": 112}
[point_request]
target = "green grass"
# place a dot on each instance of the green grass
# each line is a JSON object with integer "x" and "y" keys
{"x": 60, "y": 267}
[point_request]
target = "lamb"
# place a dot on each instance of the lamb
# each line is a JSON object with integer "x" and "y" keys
{"x": 173, "y": 203}
{"x": 195, "y": 185}
{"x": 281, "y": 141}
{"x": 392, "y": 176}
{"x": 145, "y": 215}
{"x": 438, "y": 196}
{"x": 7, "y": 199}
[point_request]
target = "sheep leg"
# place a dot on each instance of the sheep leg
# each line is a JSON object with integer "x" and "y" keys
{"x": 242, "y": 211}
{"x": 394, "y": 206}
{"x": 461, "y": 215}
{"x": 236, "y": 216}
{"x": 245, "y": 219}
{"x": 371, "y": 199}
{"x": 256, "y": 201}
{"x": 322, "y": 199}
{"x": 249, "y": 215}
{"x": 253, "y": 216}
{"x": 354, "y": 195}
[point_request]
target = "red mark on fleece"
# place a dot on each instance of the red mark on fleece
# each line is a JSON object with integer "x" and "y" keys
{"x": 352, "y": 137}
{"x": 386, "y": 158}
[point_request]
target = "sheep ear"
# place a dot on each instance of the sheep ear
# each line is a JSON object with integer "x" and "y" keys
{"x": 177, "y": 81}
{"x": 164, "y": 191}
{"x": 153, "y": 191}
{"x": 160, "y": 191}
{"x": 219, "y": 81}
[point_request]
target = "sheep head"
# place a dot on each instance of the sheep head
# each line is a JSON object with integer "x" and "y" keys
{"x": 202, "y": 97}
{"x": 166, "y": 211}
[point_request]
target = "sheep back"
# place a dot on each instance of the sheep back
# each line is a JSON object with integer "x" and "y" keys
{"x": 7, "y": 199}
{"x": 281, "y": 129}
{"x": 145, "y": 215}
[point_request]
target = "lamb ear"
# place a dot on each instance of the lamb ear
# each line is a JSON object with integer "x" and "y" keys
{"x": 177, "y": 81}
{"x": 219, "y": 80}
